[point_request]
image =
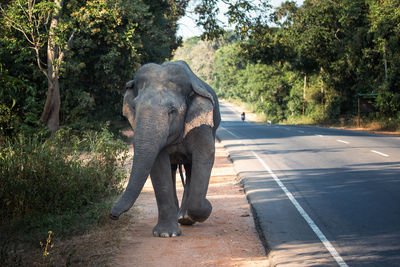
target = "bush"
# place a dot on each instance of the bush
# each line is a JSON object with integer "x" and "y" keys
{"x": 19, "y": 106}
{"x": 61, "y": 175}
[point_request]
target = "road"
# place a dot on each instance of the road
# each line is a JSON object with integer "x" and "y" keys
{"x": 320, "y": 197}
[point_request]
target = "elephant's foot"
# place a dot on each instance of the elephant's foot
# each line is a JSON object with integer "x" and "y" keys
{"x": 166, "y": 230}
{"x": 195, "y": 214}
{"x": 184, "y": 219}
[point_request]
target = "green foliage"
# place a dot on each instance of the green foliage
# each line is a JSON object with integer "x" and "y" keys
{"x": 346, "y": 44}
{"x": 63, "y": 175}
{"x": 267, "y": 87}
{"x": 244, "y": 15}
{"x": 227, "y": 63}
{"x": 110, "y": 40}
{"x": 199, "y": 54}
{"x": 340, "y": 48}
{"x": 19, "y": 107}
{"x": 115, "y": 38}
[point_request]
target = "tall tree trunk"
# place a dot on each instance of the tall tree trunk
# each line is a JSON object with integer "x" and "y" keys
{"x": 50, "y": 114}
{"x": 385, "y": 61}
{"x": 304, "y": 93}
{"x": 53, "y": 120}
{"x": 322, "y": 91}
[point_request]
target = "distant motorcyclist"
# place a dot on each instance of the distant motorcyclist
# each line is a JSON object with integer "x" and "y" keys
{"x": 243, "y": 116}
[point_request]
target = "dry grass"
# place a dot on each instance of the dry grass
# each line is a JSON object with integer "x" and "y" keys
{"x": 95, "y": 247}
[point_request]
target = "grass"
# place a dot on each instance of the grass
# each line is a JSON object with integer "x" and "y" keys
{"x": 64, "y": 184}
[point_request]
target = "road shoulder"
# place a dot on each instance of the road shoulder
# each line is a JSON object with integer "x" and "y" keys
{"x": 227, "y": 238}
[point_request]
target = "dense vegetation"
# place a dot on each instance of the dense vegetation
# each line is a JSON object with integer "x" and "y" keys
{"x": 47, "y": 183}
{"x": 313, "y": 64}
{"x": 86, "y": 50}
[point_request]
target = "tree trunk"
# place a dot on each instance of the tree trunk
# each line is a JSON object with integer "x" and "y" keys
{"x": 53, "y": 121}
{"x": 385, "y": 61}
{"x": 322, "y": 91}
{"x": 50, "y": 114}
{"x": 304, "y": 93}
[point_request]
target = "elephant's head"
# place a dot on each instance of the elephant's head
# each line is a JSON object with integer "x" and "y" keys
{"x": 163, "y": 104}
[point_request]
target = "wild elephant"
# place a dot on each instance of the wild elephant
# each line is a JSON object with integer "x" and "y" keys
{"x": 174, "y": 115}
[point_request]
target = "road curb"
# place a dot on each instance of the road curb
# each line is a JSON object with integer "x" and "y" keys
{"x": 262, "y": 235}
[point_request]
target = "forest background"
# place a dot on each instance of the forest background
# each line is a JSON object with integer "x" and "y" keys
{"x": 325, "y": 62}
{"x": 64, "y": 65}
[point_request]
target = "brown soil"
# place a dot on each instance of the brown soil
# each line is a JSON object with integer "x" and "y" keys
{"x": 227, "y": 238}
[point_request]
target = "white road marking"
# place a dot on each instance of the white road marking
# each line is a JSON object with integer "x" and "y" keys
{"x": 234, "y": 135}
{"x": 380, "y": 153}
{"x": 320, "y": 135}
{"x": 300, "y": 131}
{"x": 345, "y": 142}
{"x": 302, "y": 212}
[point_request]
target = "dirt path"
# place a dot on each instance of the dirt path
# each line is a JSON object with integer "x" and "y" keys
{"x": 227, "y": 238}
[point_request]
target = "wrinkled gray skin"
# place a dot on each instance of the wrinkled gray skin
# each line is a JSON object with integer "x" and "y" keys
{"x": 174, "y": 115}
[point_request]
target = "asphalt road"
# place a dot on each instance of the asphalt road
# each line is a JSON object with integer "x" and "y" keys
{"x": 320, "y": 197}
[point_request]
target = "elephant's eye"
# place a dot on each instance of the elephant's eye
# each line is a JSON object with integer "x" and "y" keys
{"x": 172, "y": 111}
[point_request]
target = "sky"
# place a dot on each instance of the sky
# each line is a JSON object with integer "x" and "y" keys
{"x": 188, "y": 28}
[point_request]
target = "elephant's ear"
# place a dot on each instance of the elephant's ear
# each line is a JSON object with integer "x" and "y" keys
{"x": 127, "y": 109}
{"x": 200, "y": 111}
{"x": 198, "y": 86}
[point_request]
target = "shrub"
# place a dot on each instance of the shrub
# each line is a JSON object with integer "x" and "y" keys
{"x": 58, "y": 176}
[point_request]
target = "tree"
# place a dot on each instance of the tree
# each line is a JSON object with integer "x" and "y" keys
{"x": 227, "y": 64}
{"x": 245, "y": 15}
{"x": 41, "y": 24}
{"x": 115, "y": 38}
{"x": 107, "y": 40}
{"x": 200, "y": 54}
{"x": 385, "y": 26}
{"x": 329, "y": 38}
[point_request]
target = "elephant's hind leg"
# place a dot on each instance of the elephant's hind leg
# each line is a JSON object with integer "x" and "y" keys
{"x": 183, "y": 218}
{"x": 167, "y": 225}
{"x": 173, "y": 171}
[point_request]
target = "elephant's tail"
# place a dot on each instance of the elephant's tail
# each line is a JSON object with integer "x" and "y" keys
{"x": 181, "y": 174}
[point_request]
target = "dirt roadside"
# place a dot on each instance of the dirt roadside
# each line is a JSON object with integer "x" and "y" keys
{"x": 227, "y": 238}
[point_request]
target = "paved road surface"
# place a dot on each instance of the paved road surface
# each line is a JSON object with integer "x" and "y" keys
{"x": 322, "y": 197}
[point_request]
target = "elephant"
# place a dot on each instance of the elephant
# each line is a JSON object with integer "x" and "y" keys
{"x": 174, "y": 116}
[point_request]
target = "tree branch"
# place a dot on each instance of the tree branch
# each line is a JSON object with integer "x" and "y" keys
{"x": 66, "y": 47}
{"x": 39, "y": 62}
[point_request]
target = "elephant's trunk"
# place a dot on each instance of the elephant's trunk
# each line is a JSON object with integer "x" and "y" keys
{"x": 148, "y": 141}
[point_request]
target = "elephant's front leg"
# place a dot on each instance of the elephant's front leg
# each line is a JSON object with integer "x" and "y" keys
{"x": 167, "y": 225}
{"x": 202, "y": 146}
